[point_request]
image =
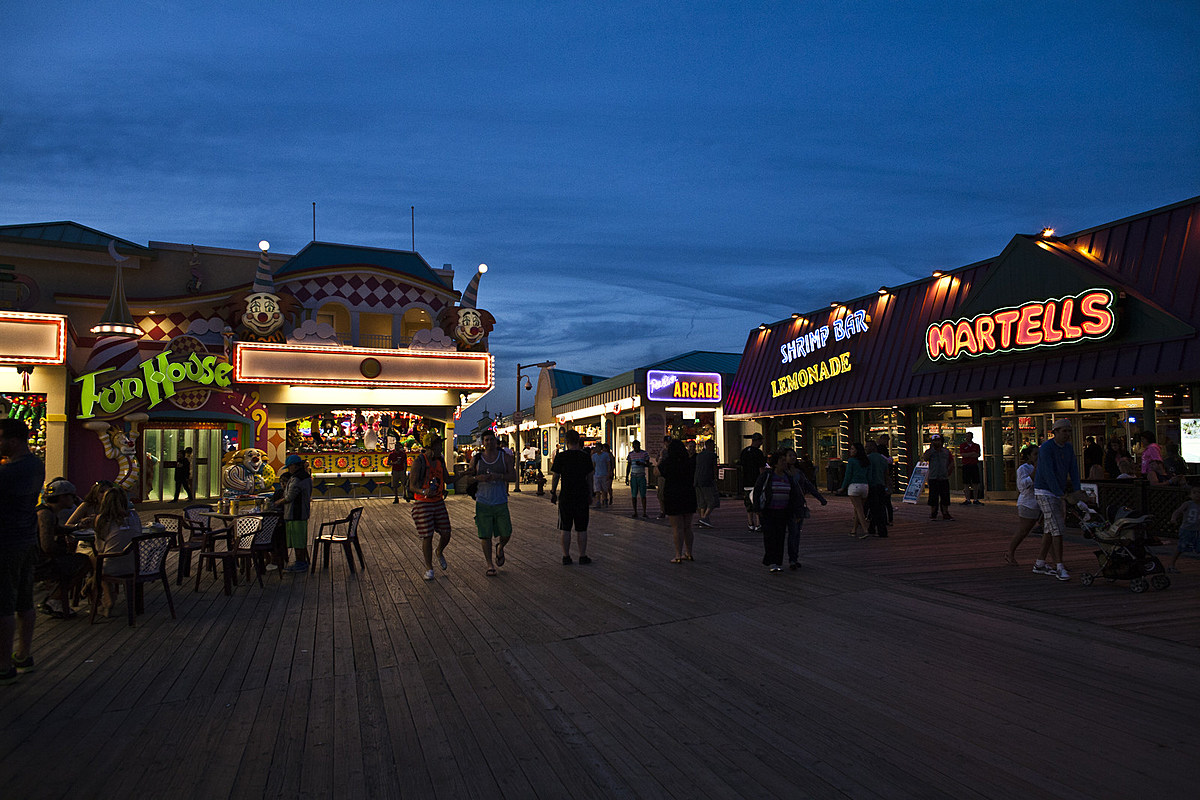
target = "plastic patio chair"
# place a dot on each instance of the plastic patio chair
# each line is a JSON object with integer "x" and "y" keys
{"x": 343, "y": 532}
{"x": 149, "y": 564}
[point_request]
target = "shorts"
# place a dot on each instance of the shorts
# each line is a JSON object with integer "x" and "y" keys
{"x": 430, "y": 517}
{"x": 1188, "y": 540}
{"x": 939, "y": 491}
{"x": 858, "y": 490}
{"x": 970, "y": 473}
{"x": 748, "y": 497}
{"x": 602, "y": 484}
{"x": 16, "y": 578}
{"x": 1028, "y": 513}
{"x": 297, "y": 533}
{"x": 575, "y": 516}
{"x": 637, "y": 485}
{"x": 707, "y": 497}
{"x": 1054, "y": 514}
{"x": 493, "y": 521}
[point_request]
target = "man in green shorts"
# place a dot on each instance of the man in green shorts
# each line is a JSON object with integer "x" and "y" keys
{"x": 635, "y": 475}
{"x": 492, "y": 469}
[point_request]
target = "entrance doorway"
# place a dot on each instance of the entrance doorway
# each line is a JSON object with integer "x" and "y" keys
{"x": 163, "y": 446}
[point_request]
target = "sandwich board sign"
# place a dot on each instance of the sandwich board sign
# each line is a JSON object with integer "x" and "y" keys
{"x": 916, "y": 482}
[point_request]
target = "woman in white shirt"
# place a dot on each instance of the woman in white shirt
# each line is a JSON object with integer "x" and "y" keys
{"x": 1027, "y": 507}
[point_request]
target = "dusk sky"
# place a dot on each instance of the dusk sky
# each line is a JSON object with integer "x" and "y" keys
{"x": 642, "y": 179}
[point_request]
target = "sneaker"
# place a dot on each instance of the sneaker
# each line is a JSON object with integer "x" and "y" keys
{"x": 933, "y": 516}
{"x": 441, "y": 558}
{"x": 1043, "y": 569}
{"x": 976, "y": 502}
{"x": 794, "y": 565}
{"x": 965, "y": 503}
{"x": 703, "y": 523}
{"x": 567, "y": 561}
{"x": 947, "y": 516}
{"x": 1060, "y": 573}
{"x": 299, "y": 566}
{"x": 776, "y": 568}
{"x": 396, "y": 501}
{"x": 865, "y": 535}
{"x": 661, "y": 516}
{"x": 634, "y": 515}
{"x": 428, "y": 574}
{"x": 23, "y": 666}
{"x": 584, "y": 560}
{"x": 8, "y": 677}
{"x": 272, "y": 567}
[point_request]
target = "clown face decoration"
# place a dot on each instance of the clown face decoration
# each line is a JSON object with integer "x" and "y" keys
{"x": 470, "y": 326}
{"x": 263, "y": 314}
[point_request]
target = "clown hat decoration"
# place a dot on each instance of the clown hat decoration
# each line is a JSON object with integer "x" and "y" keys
{"x": 263, "y": 280}
{"x": 468, "y": 298}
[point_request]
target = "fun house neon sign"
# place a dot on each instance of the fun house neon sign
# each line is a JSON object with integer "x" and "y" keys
{"x": 1086, "y": 316}
{"x": 156, "y": 382}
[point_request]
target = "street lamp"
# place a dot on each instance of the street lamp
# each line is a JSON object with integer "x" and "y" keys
{"x": 517, "y": 413}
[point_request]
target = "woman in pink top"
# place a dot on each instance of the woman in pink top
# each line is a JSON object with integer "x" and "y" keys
{"x": 1152, "y": 460}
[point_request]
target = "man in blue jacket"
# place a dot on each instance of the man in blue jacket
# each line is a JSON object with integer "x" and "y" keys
{"x": 1057, "y": 474}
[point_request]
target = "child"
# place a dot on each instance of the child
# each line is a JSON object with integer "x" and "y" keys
{"x": 1188, "y": 517}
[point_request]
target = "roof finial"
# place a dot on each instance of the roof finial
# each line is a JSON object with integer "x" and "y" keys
{"x": 116, "y": 320}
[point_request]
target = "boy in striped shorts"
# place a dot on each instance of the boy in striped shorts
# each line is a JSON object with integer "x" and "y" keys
{"x": 427, "y": 483}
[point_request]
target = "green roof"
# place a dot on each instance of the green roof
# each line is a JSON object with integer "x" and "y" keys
{"x": 69, "y": 234}
{"x": 566, "y": 381}
{"x": 323, "y": 255}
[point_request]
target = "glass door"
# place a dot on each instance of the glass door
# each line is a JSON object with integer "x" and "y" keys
{"x": 162, "y": 448}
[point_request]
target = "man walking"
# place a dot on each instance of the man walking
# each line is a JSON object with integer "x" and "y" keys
{"x": 398, "y": 461}
{"x": 1057, "y": 473}
{"x": 574, "y": 468}
{"x": 705, "y": 482}
{"x": 752, "y": 463}
{"x": 21, "y": 478}
{"x": 492, "y": 469}
{"x": 183, "y": 474}
{"x": 941, "y": 467}
{"x": 968, "y": 454}
{"x": 427, "y": 483}
{"x": 636, "y": 466}
{"x": 602, "y": 469}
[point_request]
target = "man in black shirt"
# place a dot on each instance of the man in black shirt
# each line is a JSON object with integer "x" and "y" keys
{"x": 574, "y": 467}
{"x": 752, "y": 462}
{"x": 21, "y": 478}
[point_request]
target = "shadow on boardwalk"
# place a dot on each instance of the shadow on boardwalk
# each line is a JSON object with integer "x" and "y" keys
{"x": 918, "y": 666}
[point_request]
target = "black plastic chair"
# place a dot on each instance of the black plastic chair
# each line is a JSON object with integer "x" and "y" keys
{"x": 343, "y": 532}
{"x": 149, "y": 564}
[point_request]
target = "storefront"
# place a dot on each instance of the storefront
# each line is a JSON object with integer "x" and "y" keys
{"x": 235, "y": 366}
{"x": 1099, "y": 327}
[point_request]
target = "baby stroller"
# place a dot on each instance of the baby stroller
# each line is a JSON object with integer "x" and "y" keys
{"x": 1123, "y": 555}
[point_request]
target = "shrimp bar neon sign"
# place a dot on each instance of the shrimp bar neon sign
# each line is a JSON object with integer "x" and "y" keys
{"x": 1086, "y": 316}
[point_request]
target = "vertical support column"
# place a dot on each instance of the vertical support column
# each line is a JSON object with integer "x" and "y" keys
{"x": 1149, "y": 411}
{"x": 276, "y": 419}
{"x": 54, "y": 383}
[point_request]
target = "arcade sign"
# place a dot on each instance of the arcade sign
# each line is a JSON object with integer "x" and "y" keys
{"x": 1087, "y": 316}
{"x": 666, "y": 386}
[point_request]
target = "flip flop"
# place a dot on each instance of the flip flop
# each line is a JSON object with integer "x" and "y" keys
{"x": 491, "y": 572}
{"x": 677, "y": 560}
{"x": 688, "y": 557}
{"x": 1012, "y": 562}
{"x": 500, "y": 556}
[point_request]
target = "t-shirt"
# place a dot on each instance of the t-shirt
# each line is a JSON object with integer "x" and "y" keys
{"x": 574, "y": 468}
{"x": 939, "y": 463}
{"x": 781, "y": 489}
{"x": 492, "y": 493}
{"x": 1026, "y": 498}
{"x": 529, "y": 453}
{"x": 20, "y": 482}
{"x": 968, "y": 453}
{"x": 638, "y": 461}
{"x": 397, "y": 460}
{"x": 752, "y": 461}
{"x": 601, "y": 464}
{"x": 1056, "y": 469}
{"x": 1151, "y": 454}
{"x": 1191, "y": 517}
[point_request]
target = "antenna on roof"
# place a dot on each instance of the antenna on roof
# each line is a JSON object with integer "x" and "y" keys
{"x": 414, "y": 227}
{"x": 314, "y": 220}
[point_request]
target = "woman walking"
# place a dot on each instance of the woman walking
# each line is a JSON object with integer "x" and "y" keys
{"x": 1028, "y": 512}
{"x": 857, "y": 484}
{"x": 777, "y": 498}
{"x": 796, "y": 523}
{"x": 677, "y": 472}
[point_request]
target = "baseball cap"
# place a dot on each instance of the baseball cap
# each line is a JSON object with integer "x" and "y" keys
{"x": 1061, "y": 422}
{"x": 293, "y": 459}
{"x": 937, "y": 436}
{"x": 59, "y": 487}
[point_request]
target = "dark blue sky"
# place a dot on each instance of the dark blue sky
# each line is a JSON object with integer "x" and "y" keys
{"x": 643, "y": 179}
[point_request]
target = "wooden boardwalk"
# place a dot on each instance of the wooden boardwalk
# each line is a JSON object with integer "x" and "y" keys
{"x": 918, "y": 666}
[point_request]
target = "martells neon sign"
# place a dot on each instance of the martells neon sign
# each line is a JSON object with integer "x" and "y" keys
{"x": 1086, "y": 316}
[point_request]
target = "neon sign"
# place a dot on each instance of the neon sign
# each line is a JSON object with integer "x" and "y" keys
{"x": 156, "y": 383}
{"x": 683, "y": 387}
{"x": 808, "y": 343}
{"x": 813, "y": 373}
{"x": 1086, "y": 316}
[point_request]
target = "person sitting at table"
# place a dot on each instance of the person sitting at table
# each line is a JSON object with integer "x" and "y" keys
{"x": 60, "y": 565}
{"x": 84, "y": 515}
{"x": 116, "y": 525}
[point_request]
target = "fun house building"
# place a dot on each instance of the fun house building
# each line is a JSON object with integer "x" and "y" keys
{"x": 1098, "y": 327}
{"x": 120, "y": 356}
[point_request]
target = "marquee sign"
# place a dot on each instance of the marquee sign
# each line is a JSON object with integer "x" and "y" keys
{"x": 1087, "y": 316}
{"x": 683, "y": 387}
{"x": 27, "y": 338}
